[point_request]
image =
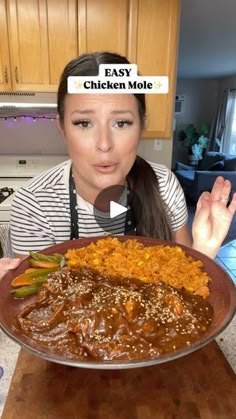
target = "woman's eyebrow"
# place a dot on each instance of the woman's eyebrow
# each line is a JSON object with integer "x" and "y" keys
{"x": 91, "y": 111}
{"x": 83, "y": 111}
{"x": 122, "y": 111}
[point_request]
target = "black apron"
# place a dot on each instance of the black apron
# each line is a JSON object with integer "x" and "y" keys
{"x": 74, "y": 223}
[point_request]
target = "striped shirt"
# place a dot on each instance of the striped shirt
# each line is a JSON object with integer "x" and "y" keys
{"x": 40, "y": 214}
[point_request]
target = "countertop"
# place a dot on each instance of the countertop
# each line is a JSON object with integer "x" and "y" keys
{"x": 199, "y": 385}
{"x": 9, "y": 352}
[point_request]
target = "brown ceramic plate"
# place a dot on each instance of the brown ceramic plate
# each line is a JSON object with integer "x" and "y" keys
{"x": 222, "y": 298}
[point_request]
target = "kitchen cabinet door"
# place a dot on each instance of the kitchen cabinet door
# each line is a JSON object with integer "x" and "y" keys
{"x": 154, "y": 47}
{"x": 42, "y": 38}
{"x": 146, "y": 31}
{"x": 103, "y": 25}
{"x": 5, "y": 72}
{"x": 62, "y": 36}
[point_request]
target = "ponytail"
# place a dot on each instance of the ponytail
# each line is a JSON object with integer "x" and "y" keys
{"x": 147, "y": 208}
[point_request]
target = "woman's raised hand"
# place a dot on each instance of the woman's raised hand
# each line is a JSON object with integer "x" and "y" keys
{"x": 213, "y": 218}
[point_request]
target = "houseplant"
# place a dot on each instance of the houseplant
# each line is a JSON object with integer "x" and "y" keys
{"x": 195, "y": 142}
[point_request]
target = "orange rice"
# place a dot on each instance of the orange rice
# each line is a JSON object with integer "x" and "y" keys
{"x": 131, "y": 258}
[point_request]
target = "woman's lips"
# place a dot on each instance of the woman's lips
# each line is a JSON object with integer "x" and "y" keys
{"x": 109, "y": 168}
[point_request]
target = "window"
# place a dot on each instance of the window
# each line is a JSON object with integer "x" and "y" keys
{"x": 229, "y": 141}
{"x": 232, "y": 142}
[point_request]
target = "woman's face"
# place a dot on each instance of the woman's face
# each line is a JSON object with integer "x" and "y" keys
{"x": 102, "y": 134}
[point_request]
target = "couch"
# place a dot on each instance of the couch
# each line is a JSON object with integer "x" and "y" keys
{"x": 195, "y": 180}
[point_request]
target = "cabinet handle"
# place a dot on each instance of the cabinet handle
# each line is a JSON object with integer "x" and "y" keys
{"x": 16, "y": 75}
{"x": 6, "y": 75}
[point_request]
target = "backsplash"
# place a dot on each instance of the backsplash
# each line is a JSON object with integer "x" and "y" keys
{"x": 40, "y": 137}
{"x": 27, "y": 137}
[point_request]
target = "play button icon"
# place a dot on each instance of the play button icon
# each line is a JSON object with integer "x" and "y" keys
{"x": 112, "y": 210}
{"x": 116, "y": 209}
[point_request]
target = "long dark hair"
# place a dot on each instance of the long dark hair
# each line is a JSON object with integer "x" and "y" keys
{"x": 147, "y": 206}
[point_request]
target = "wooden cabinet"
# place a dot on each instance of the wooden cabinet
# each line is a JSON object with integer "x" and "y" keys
{"x": 146, "y": 31}
{"x": 154, "y": 47}
{"x": 5, "y": 72}
{"x": 103, "y": 25}
{"x": 38, "y": 37}
{"x": 42, "y": 38}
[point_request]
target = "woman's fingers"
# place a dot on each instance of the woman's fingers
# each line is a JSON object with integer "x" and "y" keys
{"x": 217, "y": 187}
{"x": 225, "y": 191}
{"x": 221, "y": 190}
{"x": 203, "y": 209}
{"x": 7, "y": 263}
{"x": 203, "y": 199}
{"x": 232, "y": 205}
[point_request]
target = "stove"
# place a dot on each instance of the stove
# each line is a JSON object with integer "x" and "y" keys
{"x": 5, "y": 192}
{"x": 7, "y": 197}
{"x": 15, "y": 172}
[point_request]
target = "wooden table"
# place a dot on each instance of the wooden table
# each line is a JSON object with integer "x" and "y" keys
{"x": 200, "y": 385}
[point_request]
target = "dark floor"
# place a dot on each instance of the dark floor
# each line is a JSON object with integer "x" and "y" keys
{"x": 226, "y": 258}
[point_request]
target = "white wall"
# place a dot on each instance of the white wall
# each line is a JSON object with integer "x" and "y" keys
{"x": 200, "y": 107}
{"x": 164, "y": 156}
{"x": 227, "y": 82}
{"x": 200, "y": 101}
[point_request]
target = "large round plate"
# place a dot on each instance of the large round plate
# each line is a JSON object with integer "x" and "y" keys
{"x": 222, "y": 298}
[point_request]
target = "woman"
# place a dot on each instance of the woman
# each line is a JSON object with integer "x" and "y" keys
{"x": 102, "y": 133}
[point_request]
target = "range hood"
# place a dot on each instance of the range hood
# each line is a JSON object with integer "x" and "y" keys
{"x": 15, "y": 103}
